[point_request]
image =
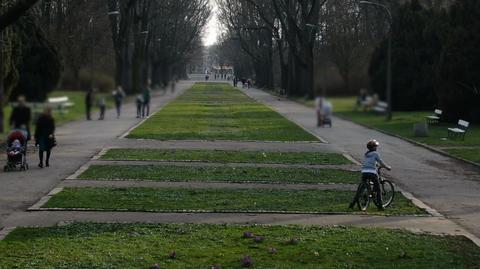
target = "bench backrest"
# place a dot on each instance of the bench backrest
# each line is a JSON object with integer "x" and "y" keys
{"x": 438, "y": 112}
{"x": 463, "y": 124}
{"x": 382, "y": 104}
{"x": 57, "y": 100}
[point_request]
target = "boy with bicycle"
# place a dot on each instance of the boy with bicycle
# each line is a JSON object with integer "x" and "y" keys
{"x": 369, "y": 172}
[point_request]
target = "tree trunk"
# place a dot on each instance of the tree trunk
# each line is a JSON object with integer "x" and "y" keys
{"x": 76, "y": 78}
{"x": 291, "y": 76}
{"x": 305, "y": 72}
{"x": 2, "y": 101}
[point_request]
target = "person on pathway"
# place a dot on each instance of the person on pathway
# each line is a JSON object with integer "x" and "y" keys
{"x": 21, "y": 116}
{"x": 44, "y": 135}
{"x": 323, "y": 110}
{"x": 89, "y": 98}
{"x": 147, "y": 95}
{"x": 139, "y": 102}
{"x": 102, "y": 106}
{"x": 369, "y": 172}
{"x": 118, "y": 96}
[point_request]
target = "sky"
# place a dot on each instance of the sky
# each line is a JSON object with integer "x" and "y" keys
{"x": 212, "y": 31}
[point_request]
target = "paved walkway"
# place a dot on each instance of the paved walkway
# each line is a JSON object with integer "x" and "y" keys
{"x": 447, "y": 185}
{"x": 77, "y": 142}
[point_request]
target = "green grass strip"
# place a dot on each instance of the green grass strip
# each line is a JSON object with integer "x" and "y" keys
{"x": 129, "y": 246}
{"x": 468, "y": 154}
{"x": 216, "y": 200}
{"x": 219, "y": 174}
{"x": 225, "y": 156}
{"x": 214, "y": 111}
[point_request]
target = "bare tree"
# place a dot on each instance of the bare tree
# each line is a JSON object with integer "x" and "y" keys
{"x": 344, "y": 37}
{"x": 10, "y": 12}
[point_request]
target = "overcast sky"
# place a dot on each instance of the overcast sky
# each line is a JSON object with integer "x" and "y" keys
{"x": 212, "y": 31}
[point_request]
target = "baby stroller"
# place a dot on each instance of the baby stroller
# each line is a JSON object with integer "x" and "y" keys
{"x": 16, "y": 151}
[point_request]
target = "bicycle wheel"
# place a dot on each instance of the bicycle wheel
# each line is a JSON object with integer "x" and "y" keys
{"x": 364, "y": 197}
{"x": 388, "y": 192}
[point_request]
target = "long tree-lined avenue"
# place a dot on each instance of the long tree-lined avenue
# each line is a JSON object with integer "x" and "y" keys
{"x": 148, "y": 134}
{"x": 220, "y": 181}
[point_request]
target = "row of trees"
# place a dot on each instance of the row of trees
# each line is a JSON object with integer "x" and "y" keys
{"x": 293, "y": 33}
{"x": 71, "y": 41}
{"x": 434, "y": 48}
{"x": 435, "y": 59}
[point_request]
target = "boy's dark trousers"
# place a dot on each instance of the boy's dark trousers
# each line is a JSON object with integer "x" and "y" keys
{"x": 88, "y": 108}
{"x": 366, "y": 177}
{"x": 139, "y": 109}
{"x": 102, "y": 112}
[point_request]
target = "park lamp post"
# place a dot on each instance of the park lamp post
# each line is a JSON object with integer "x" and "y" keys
{"x": 389, "y": 56}
{"x": 91, "y": 23}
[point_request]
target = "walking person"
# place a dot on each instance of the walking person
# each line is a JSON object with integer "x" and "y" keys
{"x": 118, "y": 96}
{"x": 21, "y": 116}
{"x": 89, "y": 99}
{"x": 45, "y": 136}
{"x": 102, "y": 106}
{"x": 323, "y": 109}
{"x": 147, "y": 95}
{"x": 139, "y": 102}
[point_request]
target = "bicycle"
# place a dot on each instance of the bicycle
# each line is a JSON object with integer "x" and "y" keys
{"x": 367, "y": 194}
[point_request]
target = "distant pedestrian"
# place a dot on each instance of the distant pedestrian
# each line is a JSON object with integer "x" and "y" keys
{"x": 21, "y": 116}
{"x": 147, "y": 95}
{"x": 89, "y": 99}
{"x": 102, "y": 106}
{"x": 118, "y": 96}
{"x": 139, "y": 101}
{"x": 45, "y": 136}
{"x": 173, "y": 85}
{"x": 324, "y": 111}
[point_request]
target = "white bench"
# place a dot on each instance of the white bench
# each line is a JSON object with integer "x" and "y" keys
{"x": 380, "y": 107}
{"x": 459, "y": 131}
{"x": 434, "y": 119}
{"x": 61, "y": 103}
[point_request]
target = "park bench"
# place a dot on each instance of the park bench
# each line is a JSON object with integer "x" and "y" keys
{"x": 434, "y": 119}
{"x": 61, "y": 103}
{"x": 459, "y": 131}
{"x": 380, "y": 107}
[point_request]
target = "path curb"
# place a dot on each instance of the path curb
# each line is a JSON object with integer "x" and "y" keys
{"x": 38, "y": 206}
{"x": 416, "y": 143}
{"x": 5, "y": 231}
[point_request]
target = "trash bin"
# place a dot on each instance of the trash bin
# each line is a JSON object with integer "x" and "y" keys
{"x": 420, "y": 129}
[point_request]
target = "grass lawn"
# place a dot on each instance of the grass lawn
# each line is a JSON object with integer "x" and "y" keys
{"x": 224, "y": 156}
{"x": 220, "y": 174}
{"x": 217, "y": 200}
{"x": 132, "y": 246}
{"x": 469, "y": 154}
{"x": 214, "y": 111}
{"x": 74, "y": 113}
{"x": 401, "y": 124}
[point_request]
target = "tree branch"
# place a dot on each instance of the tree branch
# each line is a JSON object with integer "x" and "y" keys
{"x": 14, "y": 12}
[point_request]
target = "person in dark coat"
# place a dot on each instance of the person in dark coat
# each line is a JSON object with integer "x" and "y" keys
{"x": 118, "y": 96}
{"x": 21, "y": 116}
{"x": 147, "y": 95}
{"x": 44, "y": 135}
